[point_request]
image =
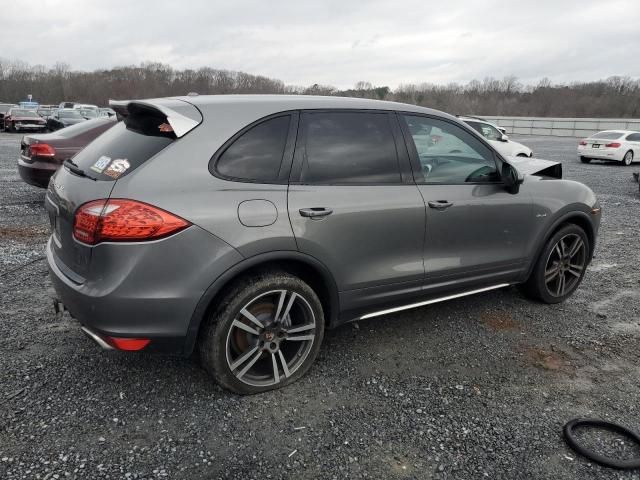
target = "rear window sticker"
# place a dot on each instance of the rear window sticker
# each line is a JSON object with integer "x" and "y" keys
{"x": 117, "y": 167}
{"x": 101, "y": 164}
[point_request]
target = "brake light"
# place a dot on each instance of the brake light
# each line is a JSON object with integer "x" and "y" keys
{"x": 613, "y": 145}
{"x": 41, "y": 150}
{"x": 128, "y": 344}
{"x": 583, "y": 142}
{"x": 122, "y": 220}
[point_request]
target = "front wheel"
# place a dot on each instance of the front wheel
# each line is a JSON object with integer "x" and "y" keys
{"x": 561, "y": 266}
{"x": 265, "y": 334}
{"x": 585, "y": 160}
{"x": 628, "y": 158}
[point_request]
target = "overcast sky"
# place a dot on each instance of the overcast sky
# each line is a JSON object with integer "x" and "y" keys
{"x": 335, "y": 42}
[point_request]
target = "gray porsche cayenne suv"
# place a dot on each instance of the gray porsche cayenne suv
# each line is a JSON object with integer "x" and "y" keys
{"x": 243, "y": 226}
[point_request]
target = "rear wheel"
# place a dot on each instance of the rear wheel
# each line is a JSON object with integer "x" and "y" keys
{"x": 561, "y": 266}
{"x": 628, "y": 158}
{"x": 585, "y": 160}
{"x": 265, "y": 334}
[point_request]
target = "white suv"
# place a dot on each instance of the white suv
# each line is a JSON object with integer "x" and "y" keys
{"x": 497, "y": 138}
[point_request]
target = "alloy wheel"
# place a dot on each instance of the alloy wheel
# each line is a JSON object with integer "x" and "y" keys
{"x": 270, "y": 338}
{"x": 565, "y": 265}
{"x": 628, "y": 158}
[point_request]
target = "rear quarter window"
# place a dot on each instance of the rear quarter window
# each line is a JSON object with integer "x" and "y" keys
{"x": 256, "y": 154}
{"x": 123, "y": 148}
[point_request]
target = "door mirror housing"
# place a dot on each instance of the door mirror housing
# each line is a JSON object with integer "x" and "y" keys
{"x": 511, "y": 177}
{"x": 504, "y": 137}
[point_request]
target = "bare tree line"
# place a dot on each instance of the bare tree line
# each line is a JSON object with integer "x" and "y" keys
{"x": 614, "y": 97}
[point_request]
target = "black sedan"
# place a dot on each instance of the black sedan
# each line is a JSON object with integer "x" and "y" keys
{"x": 64, "y": 118}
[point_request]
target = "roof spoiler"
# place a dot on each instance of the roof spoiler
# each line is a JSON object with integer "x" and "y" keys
{"x": 180, "y": 123}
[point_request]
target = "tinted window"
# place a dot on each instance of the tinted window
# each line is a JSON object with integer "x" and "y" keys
{"x": 607, "y": 135}
{"x": 634, "y": 137}
{"x": 345, "y": 147}
{"x": 257, "y": 154}
{"x": 487, "y": 131}
{"x": 448, "y": 154}
{"x": 123, "y": 148}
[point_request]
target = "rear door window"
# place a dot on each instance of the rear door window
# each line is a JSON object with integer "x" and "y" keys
{"x": 126, "y": 146}
{"x": 256, "y": 155}
{"x": 348, "y": 148}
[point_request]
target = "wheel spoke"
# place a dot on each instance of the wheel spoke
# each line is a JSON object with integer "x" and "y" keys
{"x": 274, "y": 362}
{"x": 249, "y": 365}
{"x": 303, "y": 328}
{"x": 300, "y": 338}
{"x": 575, "y": 270}
{"x": 284, "y": 318}
{"x": 249, "y": 316}
{"x": 283, "y": 295}
{"x": 560, "y": 286}
{"x": 243, "y": 358}
{"x": 245, "y": 327}
{"x": 558, "y": 251}
{"x": 285, "y": 369}
{"x": 551, "y": 273}
{"x": 576, "y": 247}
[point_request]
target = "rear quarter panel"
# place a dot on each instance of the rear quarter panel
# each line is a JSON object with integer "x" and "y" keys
{"x": 178, "y": 180}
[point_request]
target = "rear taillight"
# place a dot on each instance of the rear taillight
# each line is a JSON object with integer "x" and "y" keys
{"x": 41, "y": 150}
{"x": 121, "y": 220}
{"x": 583, "y": 142}
{"x": 613, "y": 145}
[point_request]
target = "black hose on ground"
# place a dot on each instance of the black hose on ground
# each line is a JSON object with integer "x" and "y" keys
{"x": 568, "y": 432}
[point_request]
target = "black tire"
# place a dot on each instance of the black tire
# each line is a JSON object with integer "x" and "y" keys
{"x": 627, "y": 160}
{"x": 585, "y": 160}
{"x": 215, "y": 338}
{"x": 548, "y": 289}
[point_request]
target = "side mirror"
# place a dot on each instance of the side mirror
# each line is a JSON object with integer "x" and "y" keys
{"x": 504, "y": 137}
{"x": 512, "y": 178}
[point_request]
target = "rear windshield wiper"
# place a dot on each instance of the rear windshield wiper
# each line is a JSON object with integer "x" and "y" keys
{"x": 76, "y": 169}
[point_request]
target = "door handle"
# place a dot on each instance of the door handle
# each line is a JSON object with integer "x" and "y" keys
{"x": 315, "y": 212}
{"x": 440, "y": 204}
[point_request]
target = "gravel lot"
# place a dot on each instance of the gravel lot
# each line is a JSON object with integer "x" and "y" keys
{"x": 475, "y": 388}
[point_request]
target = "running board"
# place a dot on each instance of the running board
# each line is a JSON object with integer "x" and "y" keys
{"x": 435, "y": 300}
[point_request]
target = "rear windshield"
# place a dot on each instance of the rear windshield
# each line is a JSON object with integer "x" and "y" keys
{"x": 608, "y": 135}
{"x": 24, "y": 113}
{"x": 124, "y": 147}
{"x": 70, "y": 114}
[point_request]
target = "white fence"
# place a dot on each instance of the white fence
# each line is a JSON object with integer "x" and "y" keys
{"x": 563, "y": 127}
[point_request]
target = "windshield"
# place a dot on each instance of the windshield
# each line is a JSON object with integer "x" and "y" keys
{"x": 88, "y": 113}
{"x": 70, "y": 114}
{"x": 23, "y": 113}
{"x": 607, "y": 135}
{"x": 4, "y": 108}
{"x": 487, "y": 131}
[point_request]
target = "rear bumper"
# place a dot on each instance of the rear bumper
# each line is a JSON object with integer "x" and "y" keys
{"x": 36, "y": 173}
{"x": 145, "y": 291}
{"x": 601, "y": 154}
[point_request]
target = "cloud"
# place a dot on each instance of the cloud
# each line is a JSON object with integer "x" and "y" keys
{"x": 336, "y": 42}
